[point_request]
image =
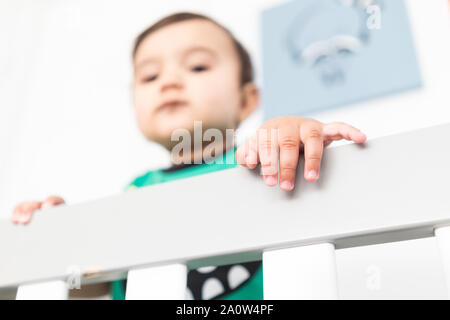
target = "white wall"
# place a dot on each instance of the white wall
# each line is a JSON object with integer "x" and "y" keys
{"x": 67, "y": 123}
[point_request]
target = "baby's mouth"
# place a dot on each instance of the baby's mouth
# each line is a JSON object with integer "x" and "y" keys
{"x": 171, "y": 105}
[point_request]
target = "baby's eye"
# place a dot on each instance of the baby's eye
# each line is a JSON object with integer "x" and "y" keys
{"x": 150, "y": 78}
{"x": 199, "y": 68}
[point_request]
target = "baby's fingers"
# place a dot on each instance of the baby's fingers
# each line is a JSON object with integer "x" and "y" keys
{"x": 340, "y": 130}
{"x": 268, "y": 155}
{"x": 247, "y": 154}
{"x": 289, "y": 143}
{"x": 24, "y": 211}
{"x": 51, "y": 202}
{"x": 312, "y": 138}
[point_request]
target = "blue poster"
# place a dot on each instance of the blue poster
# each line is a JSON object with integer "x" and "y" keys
{"x": 320, "y": 54}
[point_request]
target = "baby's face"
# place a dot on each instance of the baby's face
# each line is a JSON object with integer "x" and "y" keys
{"x": 185, "y": 72}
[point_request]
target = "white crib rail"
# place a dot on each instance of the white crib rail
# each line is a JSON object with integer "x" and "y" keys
{"x": 163, "y": 282}
{"x": 307, "y": 272}
{"x": 392, "y": 188}
{"x": 51, "y": 290}
{"x": 443, "y": 239}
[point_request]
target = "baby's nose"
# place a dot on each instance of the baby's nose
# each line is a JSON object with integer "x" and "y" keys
{"x": 171, "y": 80}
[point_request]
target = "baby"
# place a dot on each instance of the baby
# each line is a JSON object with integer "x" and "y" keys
{"x": 189, "y": 69}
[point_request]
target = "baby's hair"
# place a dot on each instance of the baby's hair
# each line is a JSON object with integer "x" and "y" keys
{"x": 244, "y": 57}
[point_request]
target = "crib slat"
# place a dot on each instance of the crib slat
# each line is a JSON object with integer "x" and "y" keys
{"x": 52, "y": 290}
{"x": 442, "y": 235}
{"x": 307, "y": 272}
{"x": 164, "y": 282}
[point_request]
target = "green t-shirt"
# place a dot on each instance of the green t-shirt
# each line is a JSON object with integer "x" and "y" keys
{"x": 233, "y": 282}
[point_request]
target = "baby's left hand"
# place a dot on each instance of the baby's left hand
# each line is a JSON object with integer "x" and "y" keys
{"x": 291, "y": 135}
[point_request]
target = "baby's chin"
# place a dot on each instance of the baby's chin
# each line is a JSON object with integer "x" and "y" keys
{"x": 167, "y": 132}
{"x": 174, "y": 124}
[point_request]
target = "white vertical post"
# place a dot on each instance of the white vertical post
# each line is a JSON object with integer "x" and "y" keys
{"x": 307, "y": 272}
{"x": 51, "y": 290}
{"x": 443, "y": 240}
{"x": 157, "y": 283}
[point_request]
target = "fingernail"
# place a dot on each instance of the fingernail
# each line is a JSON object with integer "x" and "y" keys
{"x": 270, "y": 180}
{"x": 250, "y": 160}
{"x": 286, "y": 185}
{"x": 312, "y": 174}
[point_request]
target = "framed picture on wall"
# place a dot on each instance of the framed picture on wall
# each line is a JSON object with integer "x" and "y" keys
{"x": 320, "y": 54}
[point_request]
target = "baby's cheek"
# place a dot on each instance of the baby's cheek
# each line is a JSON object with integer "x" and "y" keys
{"x": 228, "y": 103}
{"x": 143, "y": 116}
{"x": 140, "y": 119}
{"x": 143, "y": 102}
{"x": 219, "y": 102}
{"x": 219, "y": 110}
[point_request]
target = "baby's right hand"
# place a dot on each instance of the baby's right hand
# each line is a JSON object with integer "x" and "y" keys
{"x": 24, "y": 210}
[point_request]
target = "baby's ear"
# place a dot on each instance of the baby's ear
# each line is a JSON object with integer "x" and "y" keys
{"x": 250, "y": 100}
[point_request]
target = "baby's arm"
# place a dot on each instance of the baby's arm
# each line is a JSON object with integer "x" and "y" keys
{"x": 282, "y": 139}
{"x": 23, "y": 212}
